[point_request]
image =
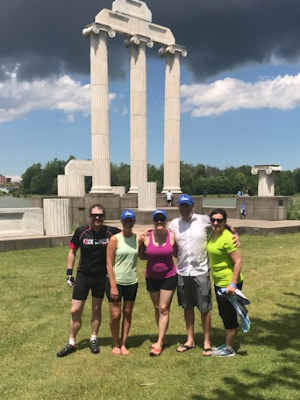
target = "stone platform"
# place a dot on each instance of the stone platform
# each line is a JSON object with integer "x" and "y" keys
{"x": 246, "y": 226}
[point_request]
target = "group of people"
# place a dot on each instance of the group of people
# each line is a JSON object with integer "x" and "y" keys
{"x": 108, "y": 262}
{"x": 248, "y": 192}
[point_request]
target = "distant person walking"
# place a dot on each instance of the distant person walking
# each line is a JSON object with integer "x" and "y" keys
{"x": 243, "y": 211}
{"x": 169, "y": 197}
{"x": 240, "y": 193}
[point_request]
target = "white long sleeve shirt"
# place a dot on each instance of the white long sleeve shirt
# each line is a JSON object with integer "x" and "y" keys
{"x": 191, "y": 240}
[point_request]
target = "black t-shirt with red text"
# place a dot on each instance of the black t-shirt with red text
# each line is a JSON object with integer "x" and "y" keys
{"x": 92, "y": 247}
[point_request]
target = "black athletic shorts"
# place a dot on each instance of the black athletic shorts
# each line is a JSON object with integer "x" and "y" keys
{"x": 226, "y": 310}
{"x": 86, "y": 282}
{"x": 127, "y": 293}
{"x": 155, "y": 285}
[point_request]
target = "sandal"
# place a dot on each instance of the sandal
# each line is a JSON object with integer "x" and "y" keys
{"x": 155, "y": 352}
{"x": 207, "y": 352}
{"x": 185, "y": 347}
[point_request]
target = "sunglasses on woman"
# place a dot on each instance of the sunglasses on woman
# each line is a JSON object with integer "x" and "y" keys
{"x": 218, "y": 220}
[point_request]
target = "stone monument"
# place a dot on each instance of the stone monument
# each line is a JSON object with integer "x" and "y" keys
{"x": 266, "y": 178}
{"x": 133, "y": 19}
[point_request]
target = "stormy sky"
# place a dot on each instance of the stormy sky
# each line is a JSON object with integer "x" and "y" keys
{"x": 241, "y": 76}
{"x": 43, "y": 38}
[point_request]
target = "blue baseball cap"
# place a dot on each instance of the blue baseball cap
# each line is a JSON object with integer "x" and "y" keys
{"x": 128, "y": 214}
{"x": 159, "y": 212}
{"x": 186, "y": 199}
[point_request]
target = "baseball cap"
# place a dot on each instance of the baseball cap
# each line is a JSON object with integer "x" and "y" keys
{"x": 158, "y": 213}
{"x": 186, "y": 199}
{"x": 128, "y": 214}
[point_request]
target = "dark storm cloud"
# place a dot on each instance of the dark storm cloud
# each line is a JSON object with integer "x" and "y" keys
{"x": 45, "y": 36}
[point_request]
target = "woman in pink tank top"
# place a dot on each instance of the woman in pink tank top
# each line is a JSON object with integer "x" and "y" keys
{"x": 161, "y": 276}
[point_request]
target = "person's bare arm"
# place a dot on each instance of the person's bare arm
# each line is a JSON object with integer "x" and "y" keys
{"x": 237, "y": 259}
{"x": 70, "y": 265}
{"x": 142, "y": 247}
{"x": 235, "y": 237}
{"x": 110, "y": 258}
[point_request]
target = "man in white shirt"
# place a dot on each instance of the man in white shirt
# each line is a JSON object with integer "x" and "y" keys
{"x": 169, "y": 197}
{"x": 193, "y": 270}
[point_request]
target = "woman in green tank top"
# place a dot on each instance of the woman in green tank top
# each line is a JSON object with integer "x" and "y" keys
{"x": 122, "y": 283}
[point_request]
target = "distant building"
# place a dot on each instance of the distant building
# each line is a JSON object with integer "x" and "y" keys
{"x": 3, "y": 179}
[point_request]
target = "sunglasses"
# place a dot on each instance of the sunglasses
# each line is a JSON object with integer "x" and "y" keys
{"x": 159, "y": 217}
{"x": 94, "y": 216}
{"x": 218, "y": 220}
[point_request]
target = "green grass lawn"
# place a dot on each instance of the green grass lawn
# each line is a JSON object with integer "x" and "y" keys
{"x": 34, "y": 321}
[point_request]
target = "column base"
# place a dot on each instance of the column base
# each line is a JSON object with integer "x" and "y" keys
{"x": 101, "y": 189}
{"x": 133, "y": 190}
{"x": 172, "y": 189}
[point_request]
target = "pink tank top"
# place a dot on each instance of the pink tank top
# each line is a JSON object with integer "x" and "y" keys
{"x": 160, "y": 263}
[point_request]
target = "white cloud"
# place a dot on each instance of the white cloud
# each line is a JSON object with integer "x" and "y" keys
{"x": 14, "y": 178}
{"x": 20, "y": 98}
{"x": 230, "y": 94}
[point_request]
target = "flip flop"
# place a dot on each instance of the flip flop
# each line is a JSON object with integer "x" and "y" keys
{"x": 163, "y": 346}
{"x": 155, "y": 352}
{"x": 185, "y": 347}
{"x": 207, "y": 352}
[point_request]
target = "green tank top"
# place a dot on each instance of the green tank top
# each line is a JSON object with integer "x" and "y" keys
{"x": 126, "y": 259}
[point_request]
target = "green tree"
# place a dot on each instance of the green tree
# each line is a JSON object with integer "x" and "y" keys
{"x": 156, "y": 175}
{"x": 29, "y": 174}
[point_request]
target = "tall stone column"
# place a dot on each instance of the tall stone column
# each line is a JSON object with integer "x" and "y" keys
{"x": 172, "y": 117}
{"x": 100, "y": 109}
{"x": 138, "y": 110}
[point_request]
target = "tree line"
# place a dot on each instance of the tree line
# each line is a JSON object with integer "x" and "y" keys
{"x": 194, "y": 179}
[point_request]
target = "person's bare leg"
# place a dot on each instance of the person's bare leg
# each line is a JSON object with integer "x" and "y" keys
{"x": 126, "y": 323}
{"x": 115, "y": 316}
{"x": 189, "y": 316}
{"x": 165, "y": 299}
{"x": 206, "y": 326}
{"x": 230, "y": 335}
{"x": 76, "y": 317}
{"x": 96, "y": 315}
{"x": 155, "y": 300}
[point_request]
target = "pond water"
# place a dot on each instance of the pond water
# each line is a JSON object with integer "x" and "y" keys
{"x": 14, "y": 202}
{"x": 219, "y": 202}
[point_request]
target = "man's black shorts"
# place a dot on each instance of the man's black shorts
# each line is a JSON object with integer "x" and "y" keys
{"x": 86, "y": 282}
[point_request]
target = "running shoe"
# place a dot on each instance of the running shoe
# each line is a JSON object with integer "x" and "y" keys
{"x": 68, "y": 349}
{"x": 224, "y": 352}
{"x": 223, "y": 346}
{"x": 95, "y": 349}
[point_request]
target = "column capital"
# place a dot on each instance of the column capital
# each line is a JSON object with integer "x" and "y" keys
{"x": 137, "y": 39}
{"x": 96, "y": 28}
{"x": 172, "y": 49}
{"x": 268, "y": 169}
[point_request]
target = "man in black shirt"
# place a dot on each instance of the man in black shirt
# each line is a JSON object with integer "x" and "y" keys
{"x": 92, "y": 241}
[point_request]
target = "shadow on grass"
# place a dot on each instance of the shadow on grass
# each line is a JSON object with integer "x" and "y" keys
{"x": 132, "y": 341}
{"x": 282, "y": 334}
{"x": 281, "y": 330}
